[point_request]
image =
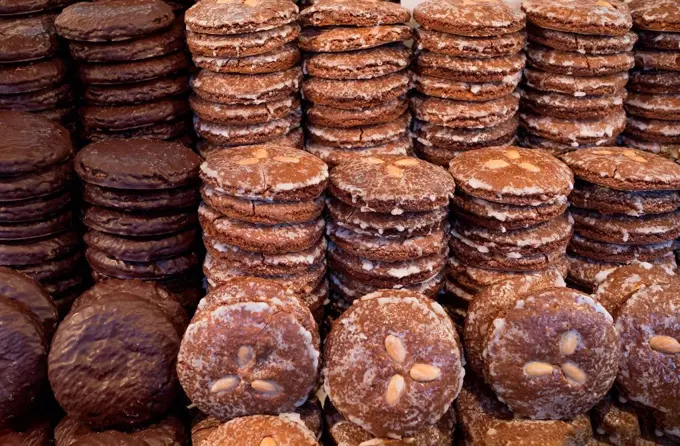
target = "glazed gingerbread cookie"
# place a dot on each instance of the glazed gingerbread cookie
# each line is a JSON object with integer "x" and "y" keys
{"x": 474, "y": 19}
{"x": 382, "y": 336}
{"x": 571, "y": 359}
{"x": 267, "y": 363}
{"x": 262, "y": 430}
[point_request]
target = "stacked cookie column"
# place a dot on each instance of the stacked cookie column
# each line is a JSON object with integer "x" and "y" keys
{"x": 509, "y": 219}
{"x": 625, "y": 208}
{"x": 653, "y": 102}
{"x": 387, "y": 227}
{"x": 37, "y": 234}
{"x": 247, "y": 90}
{"x": 132, "y": 67}
{"x": 357, "y": 79}
{"x": 468, "y": 65}
{"x": 261, "y": 217}
{"x": 578, "y": 60}
{"x": 33, "y": 76}
{"x": 141, "y": 197}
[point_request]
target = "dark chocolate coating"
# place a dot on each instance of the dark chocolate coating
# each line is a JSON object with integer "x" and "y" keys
{"x": 21, "y": 288}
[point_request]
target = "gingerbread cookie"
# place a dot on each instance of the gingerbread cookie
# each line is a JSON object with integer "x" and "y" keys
{"x": 653, "y": 82}
{"x": 464, "y": 46}
{"x": 405, "y": 377}
{"x": 353, "y": 13}
{"x": 659, "y": 40}
{"x": 576, "y": 132}
{"x": 656, "y": 15}
{"x": 32, "y": 76}
{"x": 361, "y": 136}
{"x": 437, "y": 141}
{"x": 362, "y": 64}
{"x": 355, "y": 93}
{"x": 258, "y": 429}
{"x": 581, "y": 43}
{"x": 278, "y": 59}
{"x": 616, "y": 252}
{"x": 488, "y": 18}
{"x": 657, "y": 60}
{"x": 463, "y": 114}
{"x": 462, "y": 69}
{"x": 325, "y": 116}
{"x": 576, "y": 86}
{"x": 238, "y": 89}
{"x": 654, "y": 129}
{"x": 340, "y": 39}
{"x": 576, "y": 64}
{"x": 28, "y": 38}
{"x": 134, "y": 71}
{"x": 249, "y": 374}
{"x": 624, "y": 169}
{"x": 580, "y": 16}
{"x": 164, "y": 87}
{"x": 569, "y": 106}
{"x": 664, "y": 107}
{"x": 648, "y": 229}
{"x": 241, "y": 45}
{"x": 465, "y": 91}
{"x": 237, "y": 17}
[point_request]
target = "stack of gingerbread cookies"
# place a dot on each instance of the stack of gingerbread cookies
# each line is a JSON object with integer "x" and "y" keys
{"x": 37, "y": 234}
{"x": 261, "y": 217}
{"x": 387, "y": 227}
{"x": 140, "y": 203}
{"x": 653, "y": 102}
{"x": 247, "y": 90}
{"x": 468, "y": 65}
{"x": 578, "y": 58}
{"x": 509, "y": 219}
{"x": 357, "y": 79}
{"x": 625, "y": 208}
{"x": 33, "y": 78}
{"x": 132, "y": 67}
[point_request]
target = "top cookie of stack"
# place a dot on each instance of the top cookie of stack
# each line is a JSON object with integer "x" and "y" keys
{"x": 653, "y": 102}
{"x": 578, "y": 56}
{"x": 133, "y": 68}
{"x": 469, "y": 63}
{"x": 247, "y": 91}
{"x": 357, "y": 78}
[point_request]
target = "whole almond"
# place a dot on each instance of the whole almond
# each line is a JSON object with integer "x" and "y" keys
{"x": 536, "y": 369}
{"x": 287, "y": 159}
{"x": 264, "y": 386}
{"x": 395, "y": 388}
{"x": 406, "y": 162}
{"x": 268, "y": 441}
{"x": 244, "y": 356}
{"x": 395, "y": 348}
{"x": 569, "y": 342}
{"x": 496, "y": 164}
{"x": 225, "y": 384}
{"x": 261, "y": 153}
{"x": 573, "y": 372}
{"x": 512, "y": 154}
{"x": 425, "y": 372}
{"x": 664, "y": 344}
{"x": 247, "y": 161}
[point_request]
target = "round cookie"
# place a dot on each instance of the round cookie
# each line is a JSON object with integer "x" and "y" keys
{"x": 141, "y": 249}
{"x": 250, "y": 89}
{"x": 663, "y": 107}
{"x": 576, "y": 86}
{"x": 462, "y": 114}
{"x": 654, "y": 129}
{"x": 49, "y": 225}
{"x": 34, "y": 209}
{"x": 260, "y": 264}
{"x": 462, "y": 69}
{"x": 249, "y": 370}
{"x": 621, "y": 283}
{"x": 465, "y": 91}
{"x": 243, "y": 114}
{"x": 659, "y": 40}
{"x": 170, "y": 430}
{"x": 28, "y": 6}
{"x": 463, "y": 46}
{"x": 137, "y": 388}
{"x": 581, "y": 43}
{"x": 258, "y": 429}
{"x": 111, "y": 221}
{"x": 144, "y": 91}
{"x": 158, "y": 165}
{"x": 571, "y": 107}
{"x": 580, "y": 16}
{"x": 649, "y": 344}
{"x": 556, "y": 148}
{"x": 32, "y": 76}
{"x": 125, "y": 117}
{"x": 293, "y": 139}
{"x": 362, "y": 64}
{"x": 526, "y": 177}
{"x": 620, "y": 253}
{"x": 241, "y": 45}
{"x": 114, "y": 20}
{"x": 463, "y": 18}
{"x": 657, "y": 60}
{"x": 36, "y": 431}
{"x": 671, "y": 151}
{"x": 505, "y": 217}
{"x": 655, "y": 15}
{"x": 24, "y": 351}
{"x": 265, "y": 239}
{"x": 61, "y": 96}
{"x": 624, "y": 169}
{"x": 35, "y": 251}
{"x": 579, "y": 132}
{"x": 325, "y": 116}
{"x": 380, "y": 225}
{"x": 340, "y": 39}
{"x": 18, "y": 189}
{"x": 353, "y": 13}
{"x": 238, "y": 17}
{"x": 133, "y": 71}
{"x": 355, "y": 93}
{"x": 654, "y": 82}
{"x": 361, "y": 136}
{"x": 560, "y": 362}
{"x": 441, "y": 140}
{"x": 279, "y": 59}
{"x": 626, "y": 230}
{"x": 576, "y": 64}
{"x": 31, "y": 143}
{"x": 338, "y": 155}
{"x": 636, "y": 203}
{"x": 154, "y": 45}
{"x": 159, "y": 269}
{"x": 391, "y": 184}
{"x": 28, "y": 38}
{"x": 266, "y": 173}
{"x": 141, "y": 200}
{"x": 382, "y": 331}
{"x": 350, "y": 289}
{"x": 164, "y": 131}
{"x": 238, "y": 135}
{"x": 263, "y": 211}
